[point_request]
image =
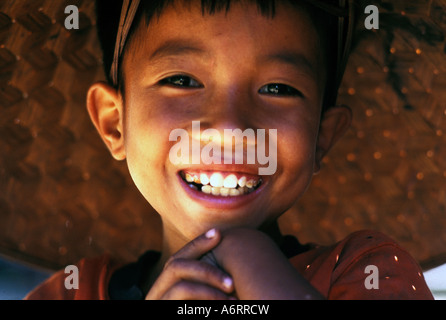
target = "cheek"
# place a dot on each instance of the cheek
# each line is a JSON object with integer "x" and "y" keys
{"x": 296, "y": 155}
{"x": 142, "y": 161}
{"x": 146, "y": 144}
{"x": 147, "y": 152}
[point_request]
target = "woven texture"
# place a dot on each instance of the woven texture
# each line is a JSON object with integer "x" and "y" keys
{"x": 62, "y": 197}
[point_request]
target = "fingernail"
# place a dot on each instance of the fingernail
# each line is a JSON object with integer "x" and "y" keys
{"x": 210, "y": 234}
{"x": 227, "y": 283}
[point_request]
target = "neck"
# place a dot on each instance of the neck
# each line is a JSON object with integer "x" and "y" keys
{"x": 273, "y": 231}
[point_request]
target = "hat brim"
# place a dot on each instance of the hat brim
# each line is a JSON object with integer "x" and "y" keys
{"x": 62, "y": 197}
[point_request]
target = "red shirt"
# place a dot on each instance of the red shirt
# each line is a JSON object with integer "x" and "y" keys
{"x": 365, "y": 265}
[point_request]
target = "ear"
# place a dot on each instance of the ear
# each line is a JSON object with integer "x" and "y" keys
{"x": 105, "y": 107}
{"x": 334, "y": 124}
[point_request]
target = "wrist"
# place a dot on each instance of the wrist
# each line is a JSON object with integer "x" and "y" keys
{"x": 241, "y": 244}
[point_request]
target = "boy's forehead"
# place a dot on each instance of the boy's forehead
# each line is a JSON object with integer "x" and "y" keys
{"x": 288, "y": 37}
{"x": 179, "y": 14}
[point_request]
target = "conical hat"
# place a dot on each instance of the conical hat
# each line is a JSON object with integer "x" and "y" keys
{"x": 63, "y": 197}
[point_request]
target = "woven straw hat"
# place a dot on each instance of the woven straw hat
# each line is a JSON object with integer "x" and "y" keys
{"x": 63, "y": 197}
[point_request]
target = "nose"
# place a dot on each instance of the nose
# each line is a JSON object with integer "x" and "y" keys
{"x": 227, "y": 123}
{"x": 229, "y": 109}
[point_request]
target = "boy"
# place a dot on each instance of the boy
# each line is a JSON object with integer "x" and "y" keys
{"x": 228, "y": 65}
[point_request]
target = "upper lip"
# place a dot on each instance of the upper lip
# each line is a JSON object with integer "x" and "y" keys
{"x": 229, "y": 168}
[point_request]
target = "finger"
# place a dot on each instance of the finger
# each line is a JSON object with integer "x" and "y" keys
{"x": 198, "y": 247}
{"x": 186, "y": 290}
{"x": 199, "y": 271}
{"x": 193, "y": 271}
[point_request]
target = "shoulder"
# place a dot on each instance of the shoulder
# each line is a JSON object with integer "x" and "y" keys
{"x": 371, "y": 265}
{"x": 361, "y": 243}
{"x": 341, "y": 271}
{"x": 91, "y": 274}
{"x": 345, "y": 250}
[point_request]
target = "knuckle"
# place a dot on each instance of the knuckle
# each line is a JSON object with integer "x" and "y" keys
{"x": 173, "y": 263}
{"x": 213, "y": 274}
{"x": 194, "y": 244}
{"x": 180, "y": 290}
{"x": 184, "y": 290}
{"x": 209, "y": 270}
{"x": 169, "y": 262}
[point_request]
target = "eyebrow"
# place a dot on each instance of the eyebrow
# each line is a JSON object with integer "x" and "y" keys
{"x": 176, "y": 48}
{"x": 294, "y": 59}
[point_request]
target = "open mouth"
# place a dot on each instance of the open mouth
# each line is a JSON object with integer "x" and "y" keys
{"x": 221, "y": 184}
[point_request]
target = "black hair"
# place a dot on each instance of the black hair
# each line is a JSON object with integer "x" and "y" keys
{"x": 108, "y": 14}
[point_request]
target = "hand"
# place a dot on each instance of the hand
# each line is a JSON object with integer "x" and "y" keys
{"x": 185, "y": 277}
{"x": 259, "y": 268}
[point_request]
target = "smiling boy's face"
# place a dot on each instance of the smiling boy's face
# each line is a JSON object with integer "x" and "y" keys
{"x": 229, "y": 70}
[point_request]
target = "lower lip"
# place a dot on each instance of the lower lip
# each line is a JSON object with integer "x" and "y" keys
{"x": 220, "y": 202}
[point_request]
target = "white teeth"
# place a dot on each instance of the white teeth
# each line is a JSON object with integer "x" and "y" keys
{"x": 250, "y": 183}
{"x": 224, "y": 192}
{"x": 189, "y": 178}
{"x": 216, "y": 180}
{"x": 242, "y": 182}
{"x": 204, "y": 179}
{"x": 206, "y": 189}
{"x": 230, "y": 181}
{"x": 216, "y": 185}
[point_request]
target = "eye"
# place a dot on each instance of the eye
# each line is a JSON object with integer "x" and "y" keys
{"x": 279, "y": 89}
{"x": 181, "y": 81}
